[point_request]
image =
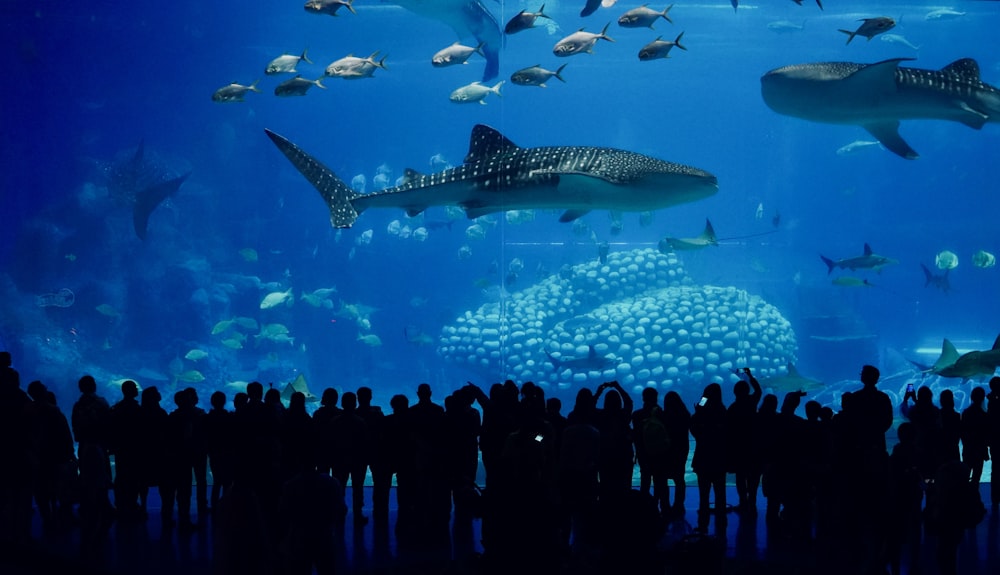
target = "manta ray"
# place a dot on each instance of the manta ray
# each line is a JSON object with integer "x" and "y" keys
{"x": 467, "y": 18}
{"x": 499, "y": 176}
{"x": 878, "y": 96}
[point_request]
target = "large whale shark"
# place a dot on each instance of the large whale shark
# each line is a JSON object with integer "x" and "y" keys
{"x": 466, "y": 17}
{"x": 877, "y": 96}
{"x": 498, "y": 176}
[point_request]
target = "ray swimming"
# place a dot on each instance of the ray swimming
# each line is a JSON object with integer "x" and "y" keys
{"x": 498, "y": 176}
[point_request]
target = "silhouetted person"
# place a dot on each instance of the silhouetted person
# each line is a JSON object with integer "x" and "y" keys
{"x": 16, "y": 455}
{"x": 463, "y": 428}
{"x": 767, "y": 452}
{"x": 652, "y": 443}
{"x": 55, "y": 455}
{"x": 350, "y": 448}
{"x": 90, "y": 421}
{"x": 126, "y": 442}
{"x": 577, "y": 469}
{"x": 427, "y": 424}
{"x": 219, "y": 437}
{"x": 906, "y": 493}
{"x": 311, "y": 511}
{"x": 298, "y": 438}
{"x": 953, "y": 507}
{"x": 322, "y": 419}
{"x": 789, "y": 467}
{"x": 155, "y": 450}
{"x": 926, "y": 419}
{"x": 377, "y": 460}
{"x": 678, "y": 420}
{"x": 951, "y": 428}
{"x": 399, "y": 450}
{"x": 708, "y": 426}
{"x": 616, "y": 458}
{"x": 993, "y": 416}
{"x": 741, "y": 428}
{"x": 975, "y": 435}
{"x": 499, "y": 421}
{"x": 187, "y": 456}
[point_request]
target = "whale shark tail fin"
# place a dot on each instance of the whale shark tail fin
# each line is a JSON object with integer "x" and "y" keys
{"x": 147, "y": 200}
{"x": 337, "y": 195}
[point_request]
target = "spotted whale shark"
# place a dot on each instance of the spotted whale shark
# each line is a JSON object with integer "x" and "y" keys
{"x": 878, "y": 96}
{"x": 467, "y": 18}
{"x": 498, "y": 175}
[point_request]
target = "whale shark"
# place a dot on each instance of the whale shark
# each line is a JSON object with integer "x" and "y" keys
{"x": 498, "y": 176}
{"x": 139, "y": 181}
{"x": 466, "y": 18}
{"x": 878, "y": 96}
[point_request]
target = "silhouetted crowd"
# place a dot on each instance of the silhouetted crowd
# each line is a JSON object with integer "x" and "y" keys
{"x": 558, "y": 491}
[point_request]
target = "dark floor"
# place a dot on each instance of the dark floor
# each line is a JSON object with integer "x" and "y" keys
{"x": 750, "y": 549}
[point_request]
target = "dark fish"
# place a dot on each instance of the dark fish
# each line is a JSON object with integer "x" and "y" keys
{"x": 941, "y": 282}
{"x": 871, "y": 27}
{"x": 329, "y": 6}
{"x": 643, "y": 17}
{"x": 297, "y": 86}
{"x": 660, "y": 48}
{"x": 536, "y": 76}
{"x": 233, "y": 92}
{"x": 524, "y": 20}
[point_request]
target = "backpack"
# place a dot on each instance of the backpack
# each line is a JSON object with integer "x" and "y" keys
{"x": 655, "y": 438}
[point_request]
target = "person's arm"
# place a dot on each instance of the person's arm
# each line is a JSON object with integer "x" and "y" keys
{"x": 627, "y": 402}
{"x": 757, "y": 393}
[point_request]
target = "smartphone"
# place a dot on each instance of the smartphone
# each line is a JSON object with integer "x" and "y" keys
{"x": 539, "y": 438}
{"x": 702, "y": 401}
{"x": 909, "y": 388}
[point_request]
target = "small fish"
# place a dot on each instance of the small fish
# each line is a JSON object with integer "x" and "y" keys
{"x": 196, "y": 354}
{"x": 785, "y": 26}
{"x": 464, "y": 252}
{"x": 776, "y": 220}
{"x": 233, "y": 92}
{"x": 857, "y": 146}
{"x": 297, "y": 86}
{"x": 351, "y": 67}
{"x": 277, "y": 298}
{"x": 898, "y": 39}
{"x": 943, "y": 14}
{"x": 759, "y": 213}
{"x": 536, "y": 76}
{"x": 643, "y": 17}
{"x": 475, "y": 232}
{"x": 524, "y": 20}
{"x": 939, "y": 281}
{"x": 232, "y": 343}
{"x": 983, "y": 259}
{"x": 580, "y": 41}
{"x": 455, "y": 54}
{"x": 474, "y": 92}
{"x": 248, "y": 254}
{"x": 660, "y": 48}
{"x": 871, "y": 27}
{"x": 419, "y": 234}
{"x": 286, "y": 63}
{"x": 245, "y": 322}
{"x": 190, "y": 376}
{"x": 107, "y": 310}
{"x": 848, "y": 281}
{"x": 946, "y": 260}
{"x": 439, "y": 162}
{"x": 365, "y": 238}
{"x": 370, "y": 340}
{"x": 329, "y": 6}
{"x": 222, "y": 326}
{"x": 71, "y": 257}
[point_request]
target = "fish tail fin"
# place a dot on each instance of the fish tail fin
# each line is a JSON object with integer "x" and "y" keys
{"x": 665, "y": 12}
{"x": 147, "y": 200}
{"x": 381, "y": 62}
{"x": 558, "y": 74}
{"x": 337, "y": 195}
{"x": 850, "y": 35}
{"x": 305, "y": 56}
{"x": 496, "y": 88}
{"x": 479, "y": 48}
{"x": 830, "y": 264}
{"x": 604, "y": 33}
{"x": 318, "y": 83}
{"x": 677, "y": 41}
{"x": 253, "y": 87}
{"x": 541, "y": 13}
{"x": 350, "y": 7}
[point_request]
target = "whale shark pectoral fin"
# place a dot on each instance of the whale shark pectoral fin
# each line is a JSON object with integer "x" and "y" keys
{"x": 974, "y": 118}
{"x": 570, "y": 215}
{"x": 887, "y": 133}
{"x": 147, "y": 201}
{"x": 590, "y": 7}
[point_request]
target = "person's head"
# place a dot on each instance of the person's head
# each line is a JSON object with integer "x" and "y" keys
{"x": 329, "y": 398}
{"x": 906, "y": 432}
{"x": 673, "y": 404}
{"x": 129, "y": 389}
{"x": 845, "y": 400}
{"x": 240, "y": 400}
{"x": 553, "y": 405}
{"x": 349, "y": 401}
{"x": 255, "y": 390}
{"x": 713, "y": 392}
{"x": 791, "y": 401}
{"x": 584, "y": 399}
{"x": 364, "y": 396}
{"x": 424, "y": 392}
{"x": 37, "y": 391}
{"x": 650, "y": 396}
{"x": 925, "y": 395}
{"x": 813, "y": 410}
{"x": 191, "y": 396}
{"x": 151, "y": 396}
{"x": 869, "y": 375}
{"x": 995, "y": 384}
{"x": 399, "y": 403}
{"x": 741, "y": 389}
{"x": 87, "y": 384}
{"x": 180, "y": 398}
{"x": 947, "y": 399}
{"x": 218, "y": 400}
{"x": 298, "y": 402}
{"x": 978, "y": 395}
{"x": 612, "y": 401}
{"x": 769, "y": 404}
{"x": 272, "y": 397}
{"x": 5, "y": 359}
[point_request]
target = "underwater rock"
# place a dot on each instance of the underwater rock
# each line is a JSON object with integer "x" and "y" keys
{"x": 637, "y": 318}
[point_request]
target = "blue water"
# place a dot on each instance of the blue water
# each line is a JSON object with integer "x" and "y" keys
{"x": 87, "y": 82}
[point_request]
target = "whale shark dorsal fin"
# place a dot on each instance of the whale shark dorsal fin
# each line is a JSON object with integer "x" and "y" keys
{"x": 967, "y": 68}
{"x": 486, "y": 142}
{"x": 949, "y": 355}
{"x": 868, "y": 249}
{"x": 709, "y": 234}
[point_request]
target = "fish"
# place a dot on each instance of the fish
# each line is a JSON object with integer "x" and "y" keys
{"x": 792, "y": 381}
{"x": 248, "y": 254}
{"x": 371, "y": 340}
{"x": 939, "y": 281}
{"x": 785, "y": 26}
{"x": 286, "y": 63}
{"x": 329, "y": 6}
{"x": 898, "y": 39}
{"x": 352, "y": 67}
{"x": 579, "y": 42}
{"x": 277, "y": 298}
{"x": 849, "y": 281}
{"x": 149, "y": 199}
{"x": 297, "y": 86}
{"x": 417, "y": 337}
{"x": 455, "y": 54}
{"x": 643, "y": 17}
{"x": 870, "y": 27}
{"x": 233, "y": 92}
{"x": 298, "y": 385}
{"x": 524, "y": 20}
{"x": 868, "y": 261}
{"x": 497, "y": 175}
{"x": 943, "y": 14}
{"x": 536, "y": 76}
{"x": 245, "y": 322}
{"x": 707, "y": 238}
{"x": 196, "y": 355}
{"x": 979, "y": 365}
{"x": 232, "y": 343}
{"x": 475, "y": 92}
{"x": 222, "y": 326}
{"x": 946, "y": 260}
{"x": 592, "y": 362}
{"x": 856, "y": 146}
{"x": 983, "y": 259}
{"x": 108, "y": 311}
{"x": 466, "y": 18}
{"x": 140, "y": 182}
{"x": 660, "y": 48}
{"x": 878, "y": 96}
{"x": 189, "y": 376}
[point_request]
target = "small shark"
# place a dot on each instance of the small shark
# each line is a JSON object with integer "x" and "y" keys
{"x": 868, "y": 261}
{"x": 941, "y": 282}
{"x": 978, "y": 365}
{"x": 498, "y": 176}
{"x": 581, "y": 364}
{"x": 707, "y": 238}
{"x": 877, "y": 96}
{"x": 793, "y": 381}
{"x": 467, "y": 18}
